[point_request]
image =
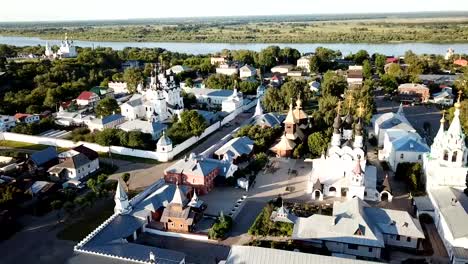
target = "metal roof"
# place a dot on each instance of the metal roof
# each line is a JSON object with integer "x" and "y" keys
{"x": 43, "y": 156}
{"x": 238, "y": 146}
{"x": 258, "y": 255}
{"x": 453, "y": 205}
{"x": 410, "y": 143}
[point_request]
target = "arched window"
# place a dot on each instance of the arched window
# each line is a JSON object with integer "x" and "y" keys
{"x": 454, "y": 156}
{"x": 332, "y": 189}
{"x": 445, "y": 155}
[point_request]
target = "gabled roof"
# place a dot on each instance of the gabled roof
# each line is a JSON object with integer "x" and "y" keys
{"x": 268, "y": 119}
{"x": 237, "y": 146}
{"x": 193, "y": 165}
{"x": 74, "y": 162}
{"x": 107, "y": 119}
{"x": 260, "y": 255}
{"x": 43, "y": 156}
{"x": 453, "y": 206}
{"x": 86, "y": 95}
{"x": 91, "y": 154}
{"x": 409, "y": 143}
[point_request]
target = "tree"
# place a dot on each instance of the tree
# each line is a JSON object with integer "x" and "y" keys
{"x": 360, "y": 57}
{"x": 389, "y": 83}
{"x": 188, "y": 82}
{"x": 317, "y": 143}
{"x": 272, "y": 100}
{"x": 268, "y": 57}
{"x": 289, "y": 55}
{"x": 314, "y": 64}
{"x": 395, "y": 71}
{"x": 132, "y": 77}
{"x": 380, "y": 61}
{"x": 108, "y": 137}
{"x": 333, "y": 84}
{"x": 367, "y": 69}
{"x": 126, "y": 178}
{"x": 107, "y": 106}
{"x": 220, "y": 81}
{"x": 191, "y": 123}
{"x": 68, "y": 206}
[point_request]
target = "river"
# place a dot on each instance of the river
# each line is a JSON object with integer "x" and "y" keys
{"x": 204, "y": 48}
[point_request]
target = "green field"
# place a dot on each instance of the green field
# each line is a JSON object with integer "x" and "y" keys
{"x": 378, "y": 30}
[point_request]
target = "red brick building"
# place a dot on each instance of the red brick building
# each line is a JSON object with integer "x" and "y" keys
{"x": 194, "y": 171}
{"x": 419, "y": 90}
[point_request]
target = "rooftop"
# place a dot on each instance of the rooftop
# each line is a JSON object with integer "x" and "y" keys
{"x": 236, "y": 147}
{"x": 258, "y": 255}
{"x": 43, "y": 156}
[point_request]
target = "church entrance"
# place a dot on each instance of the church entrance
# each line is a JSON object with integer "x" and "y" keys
{"x": 344, "y": 192}
{"x": 384, "y": 197}
{"x": 317, "y": 195}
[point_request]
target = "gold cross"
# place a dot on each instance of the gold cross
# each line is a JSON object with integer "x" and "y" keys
{"x": 350, "y": 101}
{"x": 361, "y": 109}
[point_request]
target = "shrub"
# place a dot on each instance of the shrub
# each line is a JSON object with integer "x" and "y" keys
{"x": 221, "y": 227}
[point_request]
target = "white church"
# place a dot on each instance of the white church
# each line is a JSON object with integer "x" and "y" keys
{"x": 343, "y": 171}
{"x": 159, "y": 101}
{"x": 445, "y": 170}
{"x": 67, "y": 49}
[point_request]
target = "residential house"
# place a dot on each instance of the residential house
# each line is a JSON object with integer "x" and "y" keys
{"x": 118, "y": 87}
{"x": 43, "y": 159}
{"x": 247, "y": 71}
{"x": 282, "y": 69}
{"x": 304, "y": 63}
{"x": 111, "y": 121}
{"x": 227, "y": 69}
{"x": 7, "y": 123}
{"x": 27, "y": 118}
{"x": 261, "y": 255}
{"x": 402, "y": 146}
{"x": 218, "y": 60}
{"x": 238, "y": 149}
{"x": 102, "y": 92}
{"x": 76, "y": 167}
{"x": 419, "y": 92}
{"x": 199, "y": 172}
{"x": 356, "y": 229}
{"x": 177, "y": 69}
{"x": 87, "y": 98}
{"x": 461, "y": 62}
{"x": 76, "y": 164}
{"x": 155, "y": 129}
{"x": 444, "y": 97}
{"x": 354, "y": 75}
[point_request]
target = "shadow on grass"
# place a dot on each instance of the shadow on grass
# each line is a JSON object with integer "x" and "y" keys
{"x": 87, "y": 220}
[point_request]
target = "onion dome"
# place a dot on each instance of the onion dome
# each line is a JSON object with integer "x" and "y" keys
{"x": 164, "y": 140}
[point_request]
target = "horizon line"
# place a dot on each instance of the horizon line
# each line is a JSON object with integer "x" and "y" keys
{"x": 238, "y": 16}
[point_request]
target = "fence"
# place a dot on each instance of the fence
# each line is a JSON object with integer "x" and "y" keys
{"x": 163, "y": 157}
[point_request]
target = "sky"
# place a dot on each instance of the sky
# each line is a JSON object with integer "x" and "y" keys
{"x": 50, "y": 10}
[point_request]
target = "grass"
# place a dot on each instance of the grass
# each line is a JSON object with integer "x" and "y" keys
{"x": 129, "y": 158}
{"x": 92, "y": 218}
{"x": 25, "y": 145}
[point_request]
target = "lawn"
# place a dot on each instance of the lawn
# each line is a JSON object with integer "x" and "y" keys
{"x": 89, "y": 220}
{"x": 129, "y": 158}
{"x": 22, "y": 145}
{"x": 25, "y": 145}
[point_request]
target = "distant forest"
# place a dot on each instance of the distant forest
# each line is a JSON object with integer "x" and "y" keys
{"x": 436, "y": 27}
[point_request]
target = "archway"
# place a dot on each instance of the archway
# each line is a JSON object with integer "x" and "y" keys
{"x": 426, "y": 218}
{"x": 332, "y": 189}
{"x": 317, "y": 195}
{"x": 384, "y": 197}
